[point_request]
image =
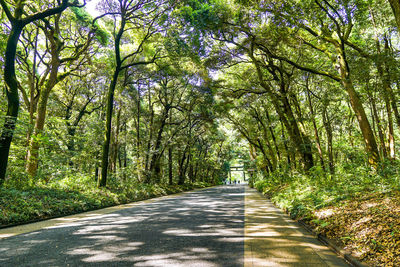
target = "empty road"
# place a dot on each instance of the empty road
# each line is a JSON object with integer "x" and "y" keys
{"x": 220, "y": 226}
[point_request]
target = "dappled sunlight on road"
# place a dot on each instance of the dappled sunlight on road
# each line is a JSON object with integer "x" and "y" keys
{"x": 69, "y": 221}
{"x": 196, "y": 229}
{"x": 202, "y": 228}
{"x": 272, "y": 238}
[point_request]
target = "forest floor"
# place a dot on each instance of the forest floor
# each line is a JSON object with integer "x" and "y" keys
{"x": 366, "y": 223}
{"x": 43, "y": 202}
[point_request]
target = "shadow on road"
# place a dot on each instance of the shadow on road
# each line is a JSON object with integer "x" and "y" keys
{"x": 203, "y": 228}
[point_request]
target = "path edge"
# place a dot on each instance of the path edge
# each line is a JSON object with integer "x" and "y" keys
{"x": 3, "y": 227}
{"x": 347, "y": 255}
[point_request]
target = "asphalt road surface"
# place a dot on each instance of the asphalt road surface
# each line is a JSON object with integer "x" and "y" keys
{"x": 201, "y": 228}
{"x": 230, "y": 225}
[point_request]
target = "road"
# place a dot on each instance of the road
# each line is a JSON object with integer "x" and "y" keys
{"x": 219, "y": 226}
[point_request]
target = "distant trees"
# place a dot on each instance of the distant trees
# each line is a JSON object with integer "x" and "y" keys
{"x": 18, "y": 19}
{"x": 157, "y": 109}
{"x": 140, "y": 18}
{"x": 143, "y": 92}
{"x": 66, "y": 53}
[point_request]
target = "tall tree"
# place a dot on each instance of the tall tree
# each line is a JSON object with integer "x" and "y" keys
{"x": 138, "y": 17}
{"x": 67, "y": 47}
{"x": 18, "y": 20}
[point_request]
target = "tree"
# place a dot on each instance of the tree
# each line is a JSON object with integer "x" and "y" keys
{"x": 395, "y": 5}
{"x": 67, "y": 47}
{"x": 129, "y": 16}
{"x": 18, "y": 21}
{"x": 334, "y": 31}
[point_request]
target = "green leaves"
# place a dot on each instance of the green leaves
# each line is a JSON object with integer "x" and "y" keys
{"x": 37, "y": 203}
{"x": 86, "y": 19}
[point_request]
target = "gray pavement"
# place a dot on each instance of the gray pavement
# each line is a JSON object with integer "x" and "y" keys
{"x": 201, "y": 228}
{"x": 220, "y": 226}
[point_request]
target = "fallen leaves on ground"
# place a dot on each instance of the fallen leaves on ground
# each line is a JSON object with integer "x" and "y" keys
{"x": 368, "y": 225}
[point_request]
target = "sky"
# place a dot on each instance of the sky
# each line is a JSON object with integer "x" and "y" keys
{"x": 91, "y": 8}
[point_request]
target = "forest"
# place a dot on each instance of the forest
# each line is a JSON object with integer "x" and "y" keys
{"x": 112, "y": 101}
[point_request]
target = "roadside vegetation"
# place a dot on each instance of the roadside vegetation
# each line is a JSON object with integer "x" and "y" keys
{"x": 142, "y": 97}
{"x": 65, "y": 197}
{"x": 357, "y": 208}
{"x": 101, "y": 111}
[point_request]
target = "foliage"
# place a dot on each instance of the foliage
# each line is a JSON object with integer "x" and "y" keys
{"x": 73, "y": 195}
{"x": 357, "y": 206}
{"x": 86, "y": 19}
{"x": 303, "y": 93}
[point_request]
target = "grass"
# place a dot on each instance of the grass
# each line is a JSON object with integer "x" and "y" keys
{"x": 70, "y": 196}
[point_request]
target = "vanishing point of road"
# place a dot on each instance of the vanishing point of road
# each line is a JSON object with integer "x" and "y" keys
{"x": 228, "y": 225}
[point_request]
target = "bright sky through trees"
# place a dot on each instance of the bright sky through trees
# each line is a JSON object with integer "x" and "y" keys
{"x": 306, "y": 93}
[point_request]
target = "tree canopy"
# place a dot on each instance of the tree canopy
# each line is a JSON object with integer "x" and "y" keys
{"x": 292, "y": 78}
{"x": 172, "y": 92}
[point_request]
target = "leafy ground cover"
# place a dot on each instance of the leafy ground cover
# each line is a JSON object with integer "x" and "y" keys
{"x": 359, "y": 210}
{"x": 368, "y": 225}
{"x": 47, "y": 201}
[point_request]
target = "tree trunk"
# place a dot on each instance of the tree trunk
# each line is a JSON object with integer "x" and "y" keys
{"x": 33, "y": 153}
{"x": 388, "y": 96}
{"x": 170, "y": 166}
{"x": 272, "y": 153}
{"x": 154, "y": 169}
{"x": 285, "y": 145}
{"x": 185, "y": 166}
{"x": 12, "y": 98}
{"x": 115, "y": 151}
{"x": 32, "y": 100}
{"x": 317, "y": 139}
{"x": 96, "y": 174}
{"x": 268, "y": 165}
{"x": 391, "y": 147}
{"x": 328, "y": 130}
{"x": 282, "y": 106}
{"x": 390, "y": 102}
{"x": 378, "y": 124}
{"x": 356, "y": 104}
{"x": 151, "y": 108}
{"x": 17, "y": 25}
{"x": 273, "y": 135}
{"x": 395, "y": 4}
{"x": 181, "y": 170}
{"x": 298, "y": 137}
{"x": 107, "y": 138}
{"x": 138, "y": 140}
{"x": 369, "y": 138}
{"x": 191, "y": 170}
{"x": 110, "y": 104}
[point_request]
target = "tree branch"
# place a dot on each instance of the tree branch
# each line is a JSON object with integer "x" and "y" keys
{"x": 142, "y": 62}
{"x": 318, "y": 72}
{"x": 7, "y": 11}
{"x": 52, "y": 11}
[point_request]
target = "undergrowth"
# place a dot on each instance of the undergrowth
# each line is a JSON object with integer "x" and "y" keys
{"x": 300, "y": 194}
{"x": 73, "y": 195}
{"x": 358, "y": 207}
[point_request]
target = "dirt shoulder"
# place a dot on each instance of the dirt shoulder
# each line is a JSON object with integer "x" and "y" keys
{"x": 367, "y": 225}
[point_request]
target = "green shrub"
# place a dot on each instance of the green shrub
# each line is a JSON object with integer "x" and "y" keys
{"x": 301, "y": 194}
{"x": 73, "y": 194}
